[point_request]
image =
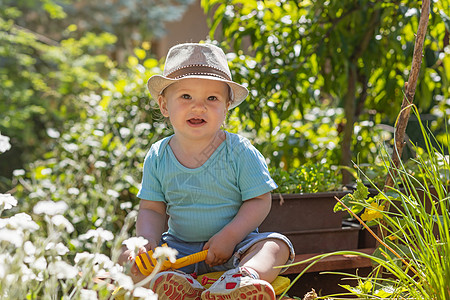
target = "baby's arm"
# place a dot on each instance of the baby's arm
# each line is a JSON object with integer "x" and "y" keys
{"x": 251, "y": 214}
{"x": 150, "y": 225}
{"x": 150, "y": 221}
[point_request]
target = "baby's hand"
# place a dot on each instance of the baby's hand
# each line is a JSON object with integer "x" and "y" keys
{"x": 132, "y": 259}
{"x": 219, "y": 250}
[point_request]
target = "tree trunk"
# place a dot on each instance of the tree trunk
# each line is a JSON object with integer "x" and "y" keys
{"x": 350, "y": 97}
{"x": 410, "y": 89}
{"x": 349, "y": 109}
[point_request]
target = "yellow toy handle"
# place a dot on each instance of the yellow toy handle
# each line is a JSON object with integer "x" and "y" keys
{"x": 146, "y": 266}
{"x": 190, "y": 259}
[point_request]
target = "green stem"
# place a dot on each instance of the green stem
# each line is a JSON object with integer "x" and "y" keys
{"x": 377, "y": 238}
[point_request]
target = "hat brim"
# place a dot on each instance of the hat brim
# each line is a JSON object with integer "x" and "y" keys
{"x": 157, "y": 83}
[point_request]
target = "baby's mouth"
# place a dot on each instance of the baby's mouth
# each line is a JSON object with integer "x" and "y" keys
{"x": 196, "y": 121}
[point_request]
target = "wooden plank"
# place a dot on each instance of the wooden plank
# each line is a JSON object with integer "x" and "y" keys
{"x": 332, "y": 263}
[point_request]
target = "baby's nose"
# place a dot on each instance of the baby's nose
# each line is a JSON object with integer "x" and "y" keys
{"x": 199, "y": 106}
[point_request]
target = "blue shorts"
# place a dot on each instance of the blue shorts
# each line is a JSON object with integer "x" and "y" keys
{"x": 187, "y": 248}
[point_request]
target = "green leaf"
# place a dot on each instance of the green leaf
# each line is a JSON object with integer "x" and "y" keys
{"x": 384, "y": 293}
{"x": 361, "y": 192}
{"x": 347, "y": 199}
{"x": 355, "y": 202}
{"x": 56, "y": 11}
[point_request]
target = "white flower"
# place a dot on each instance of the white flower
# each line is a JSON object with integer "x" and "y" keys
{"x": 100, "y": 164}
{"x": 70, "y": 147}
{"x": 73, "y": 191}
{"x": 14, "y": 237}
{"x": 163, "y": 252}
{"x": 29, "y": 248}
{"x": 122, "y": 280}
{"x": 96, "y": 234}
{"x": 124, "y": 132}
{"x": 84, "y": 256}
{"x": 40, "y": 264}
{"x": 112, "y": 193}
{"x": 7, "y": 201}
{"x": 50, "y": 208}
{"x": 39, "y": 193}
{"x": 144, "y": 293}
{"x": 142, "y": 126}
{"x": 103, "y": 260}
{"x": 76, "y": 243}
{"x": 94, "y": 259}
{"x": 88, "y": 178}
{"x": 46, "y": 171}
{"x": 101, "y": 212}
{"x": 10, "y": 279}
{"x": 62, "y": 270}
{"x": 53, "y": 133}
{"x": 19, "y": 221}
{"x": 98, "y": 133}
{"x": 126, "y": 205}
{"x": 26, "y": 273}
{"x": 61, "y": 221}
{"x": 18, "y": 172}
{"x": 60, "y": 248}
{"x": 88, "y": 294}
{"x": 98, "y": 263}
{"x": 134, "y": 243}
{"x": 4, "y": 143}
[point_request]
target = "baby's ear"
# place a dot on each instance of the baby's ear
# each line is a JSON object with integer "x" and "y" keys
{"x": 162, "y": 102}
{"x": 228, "y": 106}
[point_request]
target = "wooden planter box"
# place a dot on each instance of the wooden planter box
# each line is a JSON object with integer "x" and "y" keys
{"x": 297, "y": 212}
{"x": 309, "y": 222}
{"x": 324, "y": 240}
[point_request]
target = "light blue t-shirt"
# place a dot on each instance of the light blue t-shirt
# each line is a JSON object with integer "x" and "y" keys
{"x": 201, "y": 201}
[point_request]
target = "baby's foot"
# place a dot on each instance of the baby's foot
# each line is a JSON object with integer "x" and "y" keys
{"x": 239, "y": 284}
{"x": 176, "y": 285}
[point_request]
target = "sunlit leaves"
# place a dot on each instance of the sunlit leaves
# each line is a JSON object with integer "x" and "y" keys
{"x": 354, "y": 201}
{"x": 55, "y": 11}
{"x": 300, "y": 53}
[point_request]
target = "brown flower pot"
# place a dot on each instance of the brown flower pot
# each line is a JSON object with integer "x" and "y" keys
{"x": 309, "y": 222}
{"x": 324, "y": 240}
{"x": 297, "y": 212}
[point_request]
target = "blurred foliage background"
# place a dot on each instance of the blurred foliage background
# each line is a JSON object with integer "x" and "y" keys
{"x": 325, "y": 78}
{"x": 348, "y": 56}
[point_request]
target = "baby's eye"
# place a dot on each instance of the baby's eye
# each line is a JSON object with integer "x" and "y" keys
{"x": 186, "y": 96}
{"x": 212, "y": 98}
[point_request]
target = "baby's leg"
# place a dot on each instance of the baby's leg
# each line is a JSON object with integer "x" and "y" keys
{"x": 264, "y": 255}
{"x": 252, "y": 279}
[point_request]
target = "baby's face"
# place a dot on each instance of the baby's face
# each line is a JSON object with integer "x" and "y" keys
{"x": 196, "y": 107}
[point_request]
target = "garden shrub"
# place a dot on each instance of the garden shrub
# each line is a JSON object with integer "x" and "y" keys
{"x": 96, "y": 164}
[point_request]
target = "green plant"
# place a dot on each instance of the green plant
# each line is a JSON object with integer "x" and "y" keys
{"x": 39, "y": 251}
{"x": 309, "y": 178}
{"x": 34, "y": 252}
{"x": 345, "y": 54}
{"x": 55, "y": 54}
{"x": 42, "y": 84}
{"x": 414, "y": 240}
{"x": 96, "y": 163}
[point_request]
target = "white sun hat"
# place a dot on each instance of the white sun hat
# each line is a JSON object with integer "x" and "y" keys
{"x": 192, "y": 60}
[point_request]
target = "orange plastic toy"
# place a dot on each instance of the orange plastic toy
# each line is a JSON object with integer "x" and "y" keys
{"x": 147, "y": 265}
